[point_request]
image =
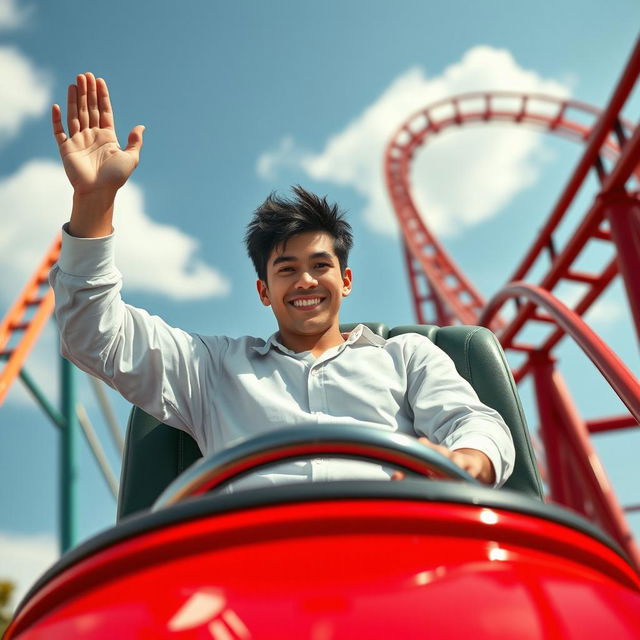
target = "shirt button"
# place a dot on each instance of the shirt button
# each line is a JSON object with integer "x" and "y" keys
{"x": 314, "y": 372}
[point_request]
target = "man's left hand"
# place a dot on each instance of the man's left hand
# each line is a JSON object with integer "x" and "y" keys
{"x": 473, "y": 461}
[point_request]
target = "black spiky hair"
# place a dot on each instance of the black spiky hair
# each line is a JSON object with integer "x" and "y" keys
{"x": 278, "y": 219}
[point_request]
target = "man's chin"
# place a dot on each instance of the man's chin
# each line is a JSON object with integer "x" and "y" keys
{"x": 313, "y": 326}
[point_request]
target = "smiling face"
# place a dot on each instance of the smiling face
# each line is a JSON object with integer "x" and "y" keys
{"x": 305, "y": 288}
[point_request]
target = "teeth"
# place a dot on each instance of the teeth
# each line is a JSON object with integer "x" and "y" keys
{"x": 306, "y": 303}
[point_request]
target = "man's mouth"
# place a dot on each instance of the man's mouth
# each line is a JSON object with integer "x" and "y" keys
{"x": 306, "y": 303}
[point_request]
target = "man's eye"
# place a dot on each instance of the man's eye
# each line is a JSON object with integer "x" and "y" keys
{"x": 322, "y": 265}
{"x": 285, "y": 269}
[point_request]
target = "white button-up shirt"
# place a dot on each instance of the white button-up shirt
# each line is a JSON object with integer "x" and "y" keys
{"x": 222, "y": 389}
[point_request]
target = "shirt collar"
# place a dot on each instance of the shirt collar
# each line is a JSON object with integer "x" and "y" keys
{"x": 363, "y": 335}
{"x": 359, "y": 335}
{"x": 272, "y": 341}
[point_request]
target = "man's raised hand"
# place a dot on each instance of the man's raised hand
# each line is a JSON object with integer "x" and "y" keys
{"x": 92, "y": 157}
{"x": 95, "y": 163}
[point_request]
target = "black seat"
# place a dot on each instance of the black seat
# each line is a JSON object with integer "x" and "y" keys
{"x": 155, "y": 453}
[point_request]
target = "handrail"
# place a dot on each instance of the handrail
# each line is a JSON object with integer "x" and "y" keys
{"x": 614, "y": 370}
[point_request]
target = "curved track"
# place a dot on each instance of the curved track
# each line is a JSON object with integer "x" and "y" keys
{"x": 442, "y": 294}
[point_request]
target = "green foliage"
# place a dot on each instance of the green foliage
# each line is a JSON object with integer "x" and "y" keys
{"x": 6, "y": 589}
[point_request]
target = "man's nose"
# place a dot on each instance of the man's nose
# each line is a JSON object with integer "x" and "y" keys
{"x": 306, "y": 281}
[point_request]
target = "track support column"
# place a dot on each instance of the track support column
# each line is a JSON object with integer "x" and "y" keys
{"x": 542, "y": 366}
{"x": 68, "y": 472}
{"x": 576, "y": 476}
{"x": 623, "y": 212}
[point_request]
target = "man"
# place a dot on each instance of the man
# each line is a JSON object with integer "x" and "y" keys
{"x": 220, "y": 389}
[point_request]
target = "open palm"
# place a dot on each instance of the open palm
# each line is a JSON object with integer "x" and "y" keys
{"x": 92, "y": 157}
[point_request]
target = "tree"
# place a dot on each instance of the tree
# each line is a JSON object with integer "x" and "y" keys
{"x": 6, "y": 589}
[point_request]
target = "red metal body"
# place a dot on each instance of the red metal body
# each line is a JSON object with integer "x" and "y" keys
{"x": 443, "y": 295}
{"x": 344, "y": 569}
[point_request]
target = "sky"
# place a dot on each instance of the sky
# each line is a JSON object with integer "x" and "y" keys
{"x": 240, "y": 99}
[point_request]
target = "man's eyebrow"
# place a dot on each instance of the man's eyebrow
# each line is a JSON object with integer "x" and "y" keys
{"x": 280, "y": 259}
{"x": 324, "y": 255}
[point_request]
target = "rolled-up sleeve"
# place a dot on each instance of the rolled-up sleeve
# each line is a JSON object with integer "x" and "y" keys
{"x": 159, "y": 368}
{"x": 448, "y": 411}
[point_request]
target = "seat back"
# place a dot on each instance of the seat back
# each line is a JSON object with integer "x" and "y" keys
{"x": 155, "y": 454}
{"x": 480, "y": 360}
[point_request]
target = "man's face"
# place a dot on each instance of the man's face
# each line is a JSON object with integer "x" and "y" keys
{"x": 304, "y": 285}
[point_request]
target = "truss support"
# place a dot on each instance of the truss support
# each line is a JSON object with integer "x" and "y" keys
{"x": 68, "y": 473}
{"x": 576, "y": 477}
{"x": 425, "y": 299}
{"x": 54, "y": 415}
{"x": 623, "y": 213}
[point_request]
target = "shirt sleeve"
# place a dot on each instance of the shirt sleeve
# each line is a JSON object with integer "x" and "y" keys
{"x": 447, "y": 409}
{"x": 163, "y": 370}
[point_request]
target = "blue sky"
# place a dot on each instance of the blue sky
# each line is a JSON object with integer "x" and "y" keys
{"x": 243, "y": 98}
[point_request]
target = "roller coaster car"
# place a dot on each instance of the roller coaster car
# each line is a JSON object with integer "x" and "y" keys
{"x": 439, "y": 558}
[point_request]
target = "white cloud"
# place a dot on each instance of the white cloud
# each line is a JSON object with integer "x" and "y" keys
{"x": 286, "y": 154}
{"x": 11, "y": 15}
{"x": 153, "y": 257}
{"x": 23, "y": 559}
{"x": 604, "y": 312}
{"x": 160, "y": 258}
{"x": 463, "y": 178}
{"x": 25, "y": 91}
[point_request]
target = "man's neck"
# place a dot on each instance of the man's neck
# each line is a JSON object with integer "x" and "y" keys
{"x": 317, "y": 344}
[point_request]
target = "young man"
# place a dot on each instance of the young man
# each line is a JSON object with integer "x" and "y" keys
{"x": 220, "y": 389}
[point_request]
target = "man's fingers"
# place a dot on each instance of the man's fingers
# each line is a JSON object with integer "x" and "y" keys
{"x": 134, "y": 143}
{"x": 104, "y": 104}
{"x": 398, "y": 475}
{"x": 92, "y": 100}
{"x": 56, "y": 121}
{"x": 436, "y": 447}
{"x": 88, "y": 105}
{"x": 83, "y": 112}
{"x": 459, "y": 458}
{"x": 73, "y": 123}
{"x": 478, "y": 464}
{"x": 474, "y": 462}
{"x": 463, "y": 461}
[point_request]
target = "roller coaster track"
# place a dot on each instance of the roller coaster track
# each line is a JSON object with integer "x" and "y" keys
{"x": 457, "y": 298}
{"x": 25, "y": 320}
{"x": 443, "y": 295}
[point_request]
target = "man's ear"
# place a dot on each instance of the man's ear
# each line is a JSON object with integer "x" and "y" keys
{"x": 263, "y": 292}
{"x": 347, "y": 280}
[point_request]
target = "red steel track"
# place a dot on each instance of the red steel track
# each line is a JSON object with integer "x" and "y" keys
{"x": 443, "y": 295}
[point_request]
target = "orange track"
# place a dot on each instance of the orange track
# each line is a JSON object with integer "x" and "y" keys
{"x": 23, "y": 323}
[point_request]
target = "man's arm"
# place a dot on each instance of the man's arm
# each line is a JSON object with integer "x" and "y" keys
{"x": 449, "y": 417}
{"x": 165, "y": 371}
{"x": 93, "y": 160}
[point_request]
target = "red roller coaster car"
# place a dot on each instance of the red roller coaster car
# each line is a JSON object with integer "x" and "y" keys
{"x": 350, "y": 559}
